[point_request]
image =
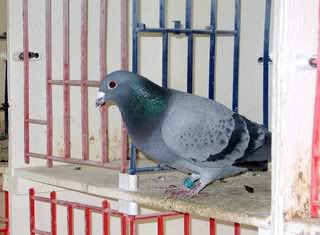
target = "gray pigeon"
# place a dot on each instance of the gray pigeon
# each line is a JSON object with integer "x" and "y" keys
{"x": 186, "y": 132}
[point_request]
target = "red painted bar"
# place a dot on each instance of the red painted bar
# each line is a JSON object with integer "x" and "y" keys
{"x": 25, "y": 20}
{"x": 79, "y": 206}
{"x": 316, "y": 140}
{"x": 75, "y": 83}
{"x": 123, "y": 225}
{"x": 105, "y": 217}
{"x": 132, "y": 226}
{"x": 87, "y": 221}
{"x": 6, "y": 212}
{"x": 48, "y": 85}
{"x": 66, "y": 78}
{"x": 124, "y": 66}
{"x": 32, "y": 211}
{"x": 236, "y": 229}
{"x": 76, "y": 161}
{"x": 156, "y": 215}
{"x": 160, "y": 225}
{"x": 84, "y": 77}
{"x": 36, "y": 121}
{"x": 4, "y": 220}
{"x": 53, "y": 207}
{"x": 186, "y": 222}
{"x": 70, "y": 219}
{"x": 102, "y": 64}
{"x": 212, "y": 225}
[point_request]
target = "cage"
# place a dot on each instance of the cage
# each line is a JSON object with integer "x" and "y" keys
{"x": 73, "y": 169}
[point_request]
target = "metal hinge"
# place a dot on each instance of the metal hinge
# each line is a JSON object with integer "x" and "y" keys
{"x": 33, "y": 56}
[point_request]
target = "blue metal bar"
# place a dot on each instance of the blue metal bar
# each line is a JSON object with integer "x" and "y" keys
{"x": 266, "y": 63}
{"x": 162, "y": 20}
{"x": 164, "y": 45}
{"x": 235, "y": 91}
{"x": 134, "y": 36}
{"x": 165, "y": 60}
{"x": 186, "y": 31}
{"x": 132, "y": 169}
{"x": 159, "y": 167}
{"x": 133, "y": 163}
{"x": 213, "y": 14}
{"x": 190, "y": 47}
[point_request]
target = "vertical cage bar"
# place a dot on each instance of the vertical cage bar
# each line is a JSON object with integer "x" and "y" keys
{"x": 132, "y": 226}
{"x": 132, "y": 169}
{"x": 213, "y": 13}
{"x": 160, "y": 225}
{"x": 236, "y": 229}
{"x": 53, "y": 207}
{"x": 124, "y": 66}
{"x": 162, "y": 24}
{"x": 84, "y": 78}
{"x": 190, "y": 47}
{"x": 186, "y": 223}
{"x": 6, "y": 211}
{"x": 70, "y": 219}
{"x": 134, "y": 36}
{"x": 66, "y": 78}
{"x": 6, "y": 101}
{"x": 32, "y": 212}
{"x": 212, "y": 226}
{"x": 314, "y": 212}
{"x": 235, "y": 91}
{"x": 123, "y": 225}
{"x": 48, "y": 84}
{"x": 25, "y": 20}
{"x": 87, "y": 221}
{"x": 102, "y": 64}
{"x": 105, "y": 217}
{"x": 266, "y": 63}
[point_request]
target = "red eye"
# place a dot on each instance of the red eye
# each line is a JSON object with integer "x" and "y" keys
{"x": 112, "y": 85}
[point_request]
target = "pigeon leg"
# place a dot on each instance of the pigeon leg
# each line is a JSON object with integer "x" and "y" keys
{"x": 188, "y": 183}
{"x": 201, "y": 184}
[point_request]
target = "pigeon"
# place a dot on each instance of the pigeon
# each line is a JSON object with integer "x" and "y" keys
{"x": 189, "y": 133}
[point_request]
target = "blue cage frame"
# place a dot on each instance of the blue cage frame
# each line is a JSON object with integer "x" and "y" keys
{"x": 212, "y": 32}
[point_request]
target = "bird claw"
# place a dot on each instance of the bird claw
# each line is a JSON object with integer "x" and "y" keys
{"x": 175, "y": 189}
{"x": 183, "y": 192}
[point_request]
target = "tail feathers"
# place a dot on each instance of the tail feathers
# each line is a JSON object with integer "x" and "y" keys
{"x": 253, "y": 165}
{"x": 258, "y": 152}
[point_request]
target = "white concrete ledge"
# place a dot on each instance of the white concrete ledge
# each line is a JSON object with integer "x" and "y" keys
{"x": 227, "y": 201}
{"x": 303, "y": 226}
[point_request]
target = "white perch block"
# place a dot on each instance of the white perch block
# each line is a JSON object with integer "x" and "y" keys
{"x": 128, "y": 183}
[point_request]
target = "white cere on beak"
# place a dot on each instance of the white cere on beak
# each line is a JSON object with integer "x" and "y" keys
{"x": 100, "y": 95}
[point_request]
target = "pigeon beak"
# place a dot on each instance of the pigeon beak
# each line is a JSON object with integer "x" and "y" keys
{"x": 100, "y": 99}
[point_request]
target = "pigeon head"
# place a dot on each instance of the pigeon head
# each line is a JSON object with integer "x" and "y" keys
{"x": 138, "y": 99}
{"x": 115, "y": 86}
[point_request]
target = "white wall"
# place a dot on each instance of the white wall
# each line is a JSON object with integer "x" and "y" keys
{"x": 250, "y": 90}
{"x": 3, "y": 46}
{"x": 295, "y": 33}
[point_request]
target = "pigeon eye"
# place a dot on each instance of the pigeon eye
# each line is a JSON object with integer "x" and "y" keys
{"x": 112, "y": 85}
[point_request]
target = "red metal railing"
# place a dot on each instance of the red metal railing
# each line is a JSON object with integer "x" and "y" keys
{"x": 5, "y": 220}
{"x": 84, "y": 83}
{"x": 106, "y": 212}
{"x": 314, "y": 200}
